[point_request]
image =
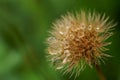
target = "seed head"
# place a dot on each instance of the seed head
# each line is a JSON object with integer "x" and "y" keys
{"x": 79, "y": 39}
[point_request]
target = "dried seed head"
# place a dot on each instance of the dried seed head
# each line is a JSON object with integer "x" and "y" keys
{"x": 79, "y": 39}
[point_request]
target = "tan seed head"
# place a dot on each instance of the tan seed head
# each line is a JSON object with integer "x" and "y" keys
{"x": 79, "y": 39}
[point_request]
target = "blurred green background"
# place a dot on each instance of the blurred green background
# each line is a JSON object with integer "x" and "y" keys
{"x": 24, "y": 26}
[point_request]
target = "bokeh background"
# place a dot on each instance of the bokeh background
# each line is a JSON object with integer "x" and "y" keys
{"x": 24, "y": 26}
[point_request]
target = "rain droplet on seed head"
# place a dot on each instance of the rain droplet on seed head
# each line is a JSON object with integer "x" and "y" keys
{"x": 97, "y": 29}
{"x": 81, "y": 35}
{"x": 51, "y": 39}
{"x": 64, "y": 60}
{"x": 61, "y": 32}
{"x": 90, "y": 27}
{"x": 82, "y": 26}
{"x": 67, "y": 53}
{"x": 60, "y": 67}
{"x": 71, "y": 36}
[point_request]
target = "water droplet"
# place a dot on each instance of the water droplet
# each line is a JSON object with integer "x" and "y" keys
{"x": 51, "y": 39}
{"x": 67, "y": 27}
{"x": 71, "y": 36}
{"x": 66, "y": 51}
{"x": 60, "y": 67}
{"x": 65, "y": 60}
{"x": 82, "y": 26}
{"x": 90, "y": 27}
{"x": 81, "y": 35}
{"x": 52, "y": 51}
{"x": 97, "y": 29}
{"x": 61, "y": 32}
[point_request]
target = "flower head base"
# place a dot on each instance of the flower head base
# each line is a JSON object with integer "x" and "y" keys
{"x": 79, "y": 39}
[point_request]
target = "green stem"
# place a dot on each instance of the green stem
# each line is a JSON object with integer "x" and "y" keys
{"x": 100, "y": 73}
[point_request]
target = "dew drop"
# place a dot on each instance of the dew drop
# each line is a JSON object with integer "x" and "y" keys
{"x": 51, "y": 39}
{"x": 67, "y": 27}
{"x": 60, "y": 67}
{"x": 52, "y": 51}
{"x": 81, "y": 35}
{"x": 90, "y": 27}
{"x": 82, "y": 26}
{"x": 71, "y": 36}
{"x": 61, "y": 32}
{"x": 97, "y": 28}
{"x": 67, "y": 53}
{"x": 65, "y": 60}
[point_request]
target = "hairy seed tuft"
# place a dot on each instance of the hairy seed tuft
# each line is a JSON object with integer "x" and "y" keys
{"x": 77, "y": 40}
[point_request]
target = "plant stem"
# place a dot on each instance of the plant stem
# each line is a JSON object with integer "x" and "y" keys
{"x": 100, "y": 73}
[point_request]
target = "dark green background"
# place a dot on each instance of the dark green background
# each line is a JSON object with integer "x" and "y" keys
{"x": 24, "y": 26}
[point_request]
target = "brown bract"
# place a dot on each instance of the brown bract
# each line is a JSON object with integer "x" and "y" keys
{"x": 79, "y": 39}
